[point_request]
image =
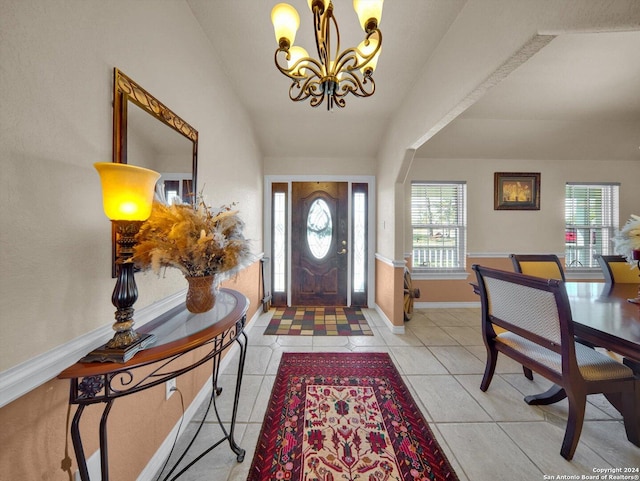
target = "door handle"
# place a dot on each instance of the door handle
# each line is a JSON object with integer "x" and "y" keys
{"x": 343, "y": 251}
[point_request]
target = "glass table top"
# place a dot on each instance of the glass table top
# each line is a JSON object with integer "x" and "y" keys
{"x": 179, "y": 323}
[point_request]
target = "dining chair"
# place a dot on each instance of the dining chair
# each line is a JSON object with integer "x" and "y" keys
{"x": 539, "y": 265}
{"x": 617, "y": 270}
{"x": 534, "y": 315}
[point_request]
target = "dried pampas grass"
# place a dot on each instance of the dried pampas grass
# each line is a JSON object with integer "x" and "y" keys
{"x": 628, "y": 239}
{"x": 199, "y": 241}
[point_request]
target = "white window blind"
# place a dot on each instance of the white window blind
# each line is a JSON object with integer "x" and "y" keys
{"x": 439, "y": 223}
{"x": 591, "y": 217}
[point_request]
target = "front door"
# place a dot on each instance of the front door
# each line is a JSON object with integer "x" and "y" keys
{"x": 319, "y": 237}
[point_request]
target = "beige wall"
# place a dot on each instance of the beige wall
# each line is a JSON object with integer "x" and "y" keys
{"x": 492, "y": 234}
{"x": 487, "y": 40}
{"x": 503, "y": 232}
{"x": 56, "y": 120}
{"x": 57, "y": 77}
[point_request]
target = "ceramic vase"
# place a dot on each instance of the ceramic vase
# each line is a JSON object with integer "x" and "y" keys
{"x": 201, "y": 294}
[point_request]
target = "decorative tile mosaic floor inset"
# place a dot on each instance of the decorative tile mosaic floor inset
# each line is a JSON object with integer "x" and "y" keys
{"x": 318, "y": 321}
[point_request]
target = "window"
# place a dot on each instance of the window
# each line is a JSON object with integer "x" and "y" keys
{"x": 591, "y": 218}
{"x": 319, "y": 229}
{"x": 359, "y": 233}
{"x": 279, "y": 244}
{"x": 438, "y": 223}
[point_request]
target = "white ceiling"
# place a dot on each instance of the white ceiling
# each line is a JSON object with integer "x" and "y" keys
{"x": 577, "y": 98}
{"x": 581, "y": 93}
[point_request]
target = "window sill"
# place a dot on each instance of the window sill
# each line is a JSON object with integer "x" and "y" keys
{"x": 580, "y": 274}
{"x": 450, "y": 275}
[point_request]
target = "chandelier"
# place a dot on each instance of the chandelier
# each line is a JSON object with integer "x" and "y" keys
{"x": 334, "y": 74}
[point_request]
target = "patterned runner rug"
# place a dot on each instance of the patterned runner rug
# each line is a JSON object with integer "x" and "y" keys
{"x": 318, "y": 321}
{"x": 345, "y": 416}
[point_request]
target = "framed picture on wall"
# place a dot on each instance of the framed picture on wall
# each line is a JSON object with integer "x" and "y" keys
{"x": 516, "y": 191}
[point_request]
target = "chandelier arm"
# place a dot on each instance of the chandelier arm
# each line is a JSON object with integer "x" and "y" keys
{"x": 353, "y": 84}
{"x": 311, "y": 64}
{"x": 335, "y": 69}
{"x": 344, "y": 58}
{"x": 321, "y": 31}
{"x": 366, "y": 58}
{"x": 348, "y": 60}
{"x": 311, "y": 87}
{"x": 337, "y": 100}
{"x": 317, "y": 101}
{"x": 297, "y": 94}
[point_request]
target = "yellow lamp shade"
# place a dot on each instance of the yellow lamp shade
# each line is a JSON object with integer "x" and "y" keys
{"x": 285, "y": 21}
{"x": 127, "y": 190}
{"x": 368, "y": 9}
{"x": 367, "y": 50}
{"x": 295, "y": 54}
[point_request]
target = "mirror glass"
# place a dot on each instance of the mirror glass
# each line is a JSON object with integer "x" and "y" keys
{"x": 148, "y": 134}
{"x": 154, "y": 145}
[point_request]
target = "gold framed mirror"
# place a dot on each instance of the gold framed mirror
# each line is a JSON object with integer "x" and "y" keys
{"x": 148, "y": 134}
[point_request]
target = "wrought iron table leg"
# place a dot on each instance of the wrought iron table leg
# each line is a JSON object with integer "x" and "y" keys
{"x": 104, "y": 455}
{"x": 243, "y": 354}
{"x": 77, "y": 444}
{"x": 216, "y": 390}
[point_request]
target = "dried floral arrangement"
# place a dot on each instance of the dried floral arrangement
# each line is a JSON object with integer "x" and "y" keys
{"x": 197, "y": 240}
{"x": 628, "y": 239}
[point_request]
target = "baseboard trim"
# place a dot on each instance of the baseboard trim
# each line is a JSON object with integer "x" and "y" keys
{"x": 446, "y": 305}
{"x": 392, "y": 327}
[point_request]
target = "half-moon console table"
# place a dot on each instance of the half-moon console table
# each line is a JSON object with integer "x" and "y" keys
{"x": 177, "y": 332}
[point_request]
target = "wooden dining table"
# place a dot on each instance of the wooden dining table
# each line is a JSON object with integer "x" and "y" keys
{"x": 604, "y": 317}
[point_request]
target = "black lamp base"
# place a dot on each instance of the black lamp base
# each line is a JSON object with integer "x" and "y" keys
{"x": 119, "y": 354}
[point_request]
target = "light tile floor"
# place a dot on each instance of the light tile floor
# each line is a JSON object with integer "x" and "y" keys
{"x": 490, "y": 436}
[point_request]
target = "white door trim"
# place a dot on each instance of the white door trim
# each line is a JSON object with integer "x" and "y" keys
{"x": 350, "y": 179}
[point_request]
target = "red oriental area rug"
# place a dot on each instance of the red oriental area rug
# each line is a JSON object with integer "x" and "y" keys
{"x": 318, "y": 321}
{"x": 345, "y": 416}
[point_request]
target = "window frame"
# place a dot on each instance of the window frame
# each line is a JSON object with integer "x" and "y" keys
{"x": 600, "y": 235}
{"x": 459, "y": 226}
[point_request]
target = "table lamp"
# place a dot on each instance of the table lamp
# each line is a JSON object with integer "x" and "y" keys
{"x": 127, "y": 196}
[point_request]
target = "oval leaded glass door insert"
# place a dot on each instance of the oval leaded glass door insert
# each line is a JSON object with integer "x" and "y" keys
{"x": 319, "y": 229}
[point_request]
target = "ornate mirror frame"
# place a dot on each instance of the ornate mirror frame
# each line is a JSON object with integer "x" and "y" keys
{"x": 126, "y": 90}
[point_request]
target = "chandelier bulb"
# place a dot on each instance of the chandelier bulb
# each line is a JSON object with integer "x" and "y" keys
{"x": 285, "y": 21}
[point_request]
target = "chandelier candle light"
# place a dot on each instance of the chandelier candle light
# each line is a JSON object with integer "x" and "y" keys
{"x": 127, "y": 195}
{"x": 334, "y": 74}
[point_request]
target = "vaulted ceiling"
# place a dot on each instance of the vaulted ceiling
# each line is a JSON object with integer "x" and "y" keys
{"x": 579, "y": 97}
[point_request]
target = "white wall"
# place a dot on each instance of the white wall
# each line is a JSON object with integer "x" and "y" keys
{"x": 319, "y": 166}
{"x": 57, "y": 63}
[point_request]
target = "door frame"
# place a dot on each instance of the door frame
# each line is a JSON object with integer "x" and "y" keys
{"x": 371, "y": 231}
